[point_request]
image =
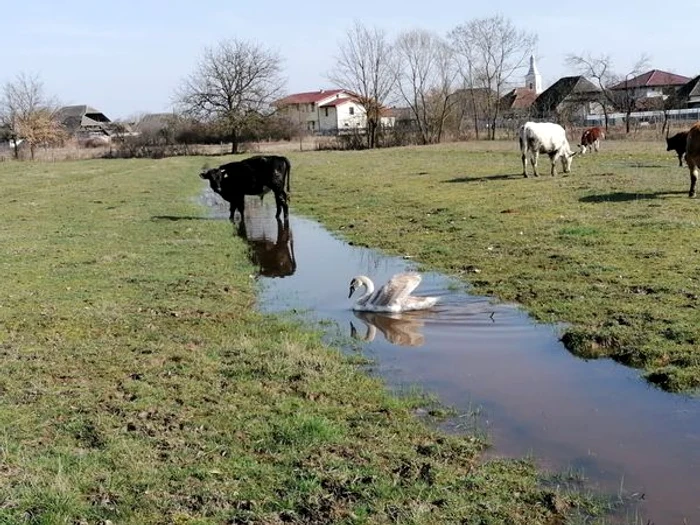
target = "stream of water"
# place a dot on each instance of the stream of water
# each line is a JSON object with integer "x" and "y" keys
{"x": 535, "y": 398}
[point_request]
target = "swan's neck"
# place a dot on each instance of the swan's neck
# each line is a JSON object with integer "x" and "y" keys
{"x": 369, "y": 286}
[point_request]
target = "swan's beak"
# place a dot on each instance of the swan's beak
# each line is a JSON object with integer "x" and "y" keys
{"x": 352, "y": 291}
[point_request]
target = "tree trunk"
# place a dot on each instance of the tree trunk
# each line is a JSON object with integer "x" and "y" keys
{"x": 476, "y": 116}
{"x": 31, "y": 150}
{"x": 234, "y": 142}
{"x": 605, "y": 116}
{"x": 627, "y": 121}
{"x": 494, "y": 119}
{"x": 371, "y": 133}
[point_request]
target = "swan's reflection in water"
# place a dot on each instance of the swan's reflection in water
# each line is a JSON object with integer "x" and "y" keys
{"x": 273, "y": 253}
{"x": 399, "y": 329}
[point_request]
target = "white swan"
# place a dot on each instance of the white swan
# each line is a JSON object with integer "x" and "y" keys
{"x": 393, "y": 297}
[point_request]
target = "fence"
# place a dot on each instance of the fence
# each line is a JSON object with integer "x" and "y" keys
{"x": 648, "y": 117}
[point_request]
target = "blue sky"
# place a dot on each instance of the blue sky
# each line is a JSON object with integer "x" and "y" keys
{"x": 128, "y": 57}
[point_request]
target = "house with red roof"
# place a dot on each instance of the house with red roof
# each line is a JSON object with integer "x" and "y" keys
{"x": 654, "y": 83}
{"x": 326, "y": 111}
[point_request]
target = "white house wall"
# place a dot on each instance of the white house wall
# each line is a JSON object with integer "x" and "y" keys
{"x": 328, "y": 119}
{"x": 347, "y": 120}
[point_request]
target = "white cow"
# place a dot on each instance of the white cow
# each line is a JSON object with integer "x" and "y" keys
{"x": 545, "y": 137}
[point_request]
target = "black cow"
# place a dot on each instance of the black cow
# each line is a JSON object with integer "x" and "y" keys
{"x": 252, "y": 176}
{"x": 677, "y": 142}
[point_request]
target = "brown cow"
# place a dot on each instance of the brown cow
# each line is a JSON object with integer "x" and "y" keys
{"x": 692, "y": 156}
{"x": 677, "y": 143}
{"x": 591, "y": 139}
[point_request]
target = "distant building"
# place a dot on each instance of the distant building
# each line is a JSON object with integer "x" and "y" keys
{"x": 569, "y": 98}
{"x": 533, "y": 79}
{"x": 326, "y": 111}
{"x": 84, "y": 122}
{"x": 518, "y": 101}
{"x": 688, "y": 95}
{"x": 155, "y": 122}
{"x": 654, "y": 83}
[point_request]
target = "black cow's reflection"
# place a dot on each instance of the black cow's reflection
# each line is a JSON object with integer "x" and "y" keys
{"x": 398, "y": 329}
{"x": 274, "y": 255}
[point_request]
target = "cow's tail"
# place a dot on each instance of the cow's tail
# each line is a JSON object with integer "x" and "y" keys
{"x": 288, "y": 174}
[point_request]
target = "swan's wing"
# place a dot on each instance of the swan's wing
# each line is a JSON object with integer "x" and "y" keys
{"x": 397, "y": 289}
{"x": 418, "y": 303}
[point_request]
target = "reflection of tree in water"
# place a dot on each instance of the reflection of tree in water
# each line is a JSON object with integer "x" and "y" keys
{"x": 398, "y": 329}
{"x": 270, "y": 241}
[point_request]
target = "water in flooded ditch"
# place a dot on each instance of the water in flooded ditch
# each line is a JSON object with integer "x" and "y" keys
{"x": 535, "y": 397}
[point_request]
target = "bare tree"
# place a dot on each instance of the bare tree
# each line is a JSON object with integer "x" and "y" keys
{"x": 600, "y": 70}
{"x": 234, "y": 83}
{"x": 491, "y": 50}
{"x": 628, "y": 94}
{"x": 425, "y": 75}
{"x": 364, "y": 67}
{"x": 29, "y": 114}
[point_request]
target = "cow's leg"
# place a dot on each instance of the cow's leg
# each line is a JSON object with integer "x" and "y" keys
{"x": 596, "y": 144}
{"x": 522, "y": 157}
{"x": 241, "y": 231}
{"x": 238, "y": 203}
{"x": 680, "y": 160}
{"x": 533, "y": 160}
{"x": 553, "y": 157}
{"x": 693, "y": 175}
{"x": 281, "y": 200}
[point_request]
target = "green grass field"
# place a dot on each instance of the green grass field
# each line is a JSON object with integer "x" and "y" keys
{"x": 140, "y": 386}
{"x": 611, "y": 249}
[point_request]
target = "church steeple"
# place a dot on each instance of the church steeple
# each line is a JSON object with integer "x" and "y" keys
{"x": 533, "y": 79}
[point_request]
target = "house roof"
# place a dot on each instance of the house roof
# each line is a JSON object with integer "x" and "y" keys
{"x": 478, "y": 92}
{"x": 399, "y": 113}
{"x": 690, "y": 89}
{"x": 155, "y": 121}
{"x": 82, "y": 115}
{"x": 572, "y": 88}
{"x": 653, "y": 78}
{"x": 337, "y": 102}
{"x": 309, "y": 96}
{"x": 519, "y": 98}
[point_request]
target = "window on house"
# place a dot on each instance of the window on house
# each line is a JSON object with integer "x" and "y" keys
{"x": 311, "y": 107}
{"x": 326, "y": 111}
{"x": 352, "y": 110}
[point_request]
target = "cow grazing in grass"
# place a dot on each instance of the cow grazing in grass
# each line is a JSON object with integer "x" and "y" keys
{"x": 545, "y": 137}
{"x": 591, "y": 138}
{"x": 692, "y": 156}
{"x": 677, "y": 143}
{"x": 253, "y": 176}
